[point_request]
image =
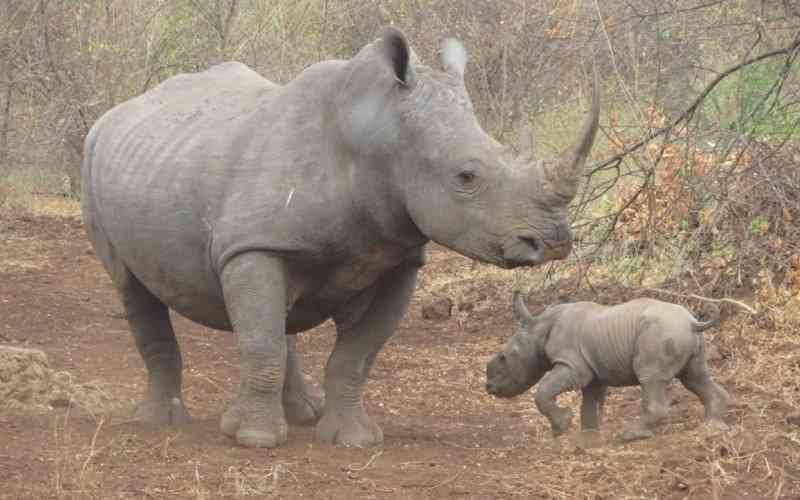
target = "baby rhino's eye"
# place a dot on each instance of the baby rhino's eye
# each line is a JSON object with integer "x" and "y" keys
{"x": 502, "y": 358}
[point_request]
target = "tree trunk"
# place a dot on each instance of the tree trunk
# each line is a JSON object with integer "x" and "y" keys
{"x": 5, "y": 126}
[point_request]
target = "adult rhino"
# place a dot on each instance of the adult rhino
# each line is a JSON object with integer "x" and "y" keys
{"x": 266, "y": 209}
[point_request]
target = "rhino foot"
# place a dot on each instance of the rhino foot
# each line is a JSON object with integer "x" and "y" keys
{"x": 231, "y": 420}
{"x": 349, "y": 430}
{"x": 264, "y": 433}
{"x": 561, "y": 421}
{"x": 635, "y": 435}
{"x": 303, "y": 407}
{"x": 162, "y": 413}
{"x": 260, "y": 438}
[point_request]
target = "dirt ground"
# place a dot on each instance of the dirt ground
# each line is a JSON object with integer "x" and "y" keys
{"x": 444, "y": 436}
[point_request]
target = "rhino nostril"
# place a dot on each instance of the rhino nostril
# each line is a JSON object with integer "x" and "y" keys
{"x": 532, "y": 243}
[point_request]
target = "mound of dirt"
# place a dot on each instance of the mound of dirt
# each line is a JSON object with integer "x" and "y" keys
{"x": 25, "y": 376}
{"x": 28, "y": 382}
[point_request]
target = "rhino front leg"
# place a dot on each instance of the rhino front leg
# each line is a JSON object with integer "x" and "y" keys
{"x": 254, "y": 285}
{"x": 149, "y": 321}
{"x": 344, "y": 421}
{"x": 594, "y": 397}
{"x": 558, "y": 380}
{"x": 302, "y": 402}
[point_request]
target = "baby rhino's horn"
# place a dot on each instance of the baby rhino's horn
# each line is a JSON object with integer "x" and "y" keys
{"x": 521, "y": 312}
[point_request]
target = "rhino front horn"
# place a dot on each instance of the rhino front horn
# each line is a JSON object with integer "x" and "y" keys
{"x": 563, "y": 174}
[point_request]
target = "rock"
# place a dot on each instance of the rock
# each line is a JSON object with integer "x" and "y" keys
{"x": 60, "y": 401}
{"x": 793, "y": 419}
{"x": 24, "y": 375}
{"x": 437, "y": 308}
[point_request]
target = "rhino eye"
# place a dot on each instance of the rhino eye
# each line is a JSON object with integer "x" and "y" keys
{"x": 502, "y": 358}
{"x": 467, "y": 177}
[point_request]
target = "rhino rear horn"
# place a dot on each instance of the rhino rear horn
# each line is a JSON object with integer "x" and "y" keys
{"x": 454, "y": 57}
{"x": 563, "y": 174}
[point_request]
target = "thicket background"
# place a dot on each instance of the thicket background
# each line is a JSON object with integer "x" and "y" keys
{"x": 693, "y": 182}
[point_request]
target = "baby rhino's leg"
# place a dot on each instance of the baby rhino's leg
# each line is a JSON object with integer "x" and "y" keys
{"x": 697, "y": 379}
{"x": 662, "y": 352}
{"x": 594, "y": 397}
{"x": 558, "y": 380}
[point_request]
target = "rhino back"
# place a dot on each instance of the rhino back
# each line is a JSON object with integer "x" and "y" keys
{"x": 205, "y": 166}
{"x": 608, "y": 340}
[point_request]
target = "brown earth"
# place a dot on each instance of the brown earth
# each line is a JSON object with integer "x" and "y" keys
{"x": 444, "y": 437}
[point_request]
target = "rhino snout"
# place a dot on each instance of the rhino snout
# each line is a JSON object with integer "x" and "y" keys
{"x": 531, "y": 250}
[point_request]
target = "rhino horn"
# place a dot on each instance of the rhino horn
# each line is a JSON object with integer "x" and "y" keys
{"x": 526, "y": 141}
{"x": 563, "y": 174}
{"x": 521, "y": 312}
{"x": 454, "y": 57}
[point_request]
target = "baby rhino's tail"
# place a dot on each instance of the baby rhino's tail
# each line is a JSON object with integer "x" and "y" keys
{"x": 713, "y": 314}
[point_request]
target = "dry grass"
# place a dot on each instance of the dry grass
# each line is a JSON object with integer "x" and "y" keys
{"x": 22, "y": 195}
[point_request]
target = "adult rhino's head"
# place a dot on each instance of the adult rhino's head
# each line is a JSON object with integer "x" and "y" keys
{"x": 458, "y": 186}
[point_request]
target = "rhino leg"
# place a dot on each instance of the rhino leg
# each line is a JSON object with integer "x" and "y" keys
{"x": 344, "y": 421}
{"x": 558, "y": 380}
{"x": 149, "y": 321}
{"x": 254, "y": 285}
{"x": 594, "y": 397}
{"x": 302, "y": 402}
{"x": 697, "y": 379}
{"x": 655, "y": 408}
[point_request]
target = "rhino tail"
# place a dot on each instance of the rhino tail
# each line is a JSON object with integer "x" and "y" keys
{"x": 713, "y": 313}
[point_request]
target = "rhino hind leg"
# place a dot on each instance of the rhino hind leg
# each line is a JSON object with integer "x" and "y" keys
{"x": 655, "y": 408}
{"x": 697, "y": 379}
{"x": 150, "y": 324}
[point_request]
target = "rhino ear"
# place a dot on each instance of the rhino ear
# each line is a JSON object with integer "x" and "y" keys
{"x": 397, "y": 52}
{"x": 454, "y": 56}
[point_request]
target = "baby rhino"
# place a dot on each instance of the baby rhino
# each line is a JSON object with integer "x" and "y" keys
{"x": 588, "y": 346}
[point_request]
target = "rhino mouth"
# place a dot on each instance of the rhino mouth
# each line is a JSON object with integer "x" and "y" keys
{"x": 528, "y": 250}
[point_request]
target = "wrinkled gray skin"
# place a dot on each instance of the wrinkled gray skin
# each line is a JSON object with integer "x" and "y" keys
{"x": 265, "y": 209}
{"x": 589, "y": 347}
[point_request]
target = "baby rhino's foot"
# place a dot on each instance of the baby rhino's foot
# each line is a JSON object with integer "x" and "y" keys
{"x": 635, "y": 435}
{"x": 560, "y": 421}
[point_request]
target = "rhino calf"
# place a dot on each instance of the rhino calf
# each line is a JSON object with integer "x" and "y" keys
{"x": 588, "y": 346}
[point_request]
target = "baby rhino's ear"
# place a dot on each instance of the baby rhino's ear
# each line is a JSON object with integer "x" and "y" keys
{"x": 521, "y": 312}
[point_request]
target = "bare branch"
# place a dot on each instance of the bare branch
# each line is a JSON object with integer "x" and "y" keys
{"x": 689, "y": 112}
